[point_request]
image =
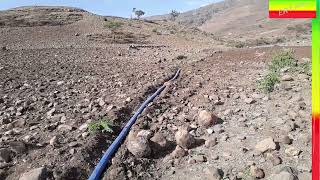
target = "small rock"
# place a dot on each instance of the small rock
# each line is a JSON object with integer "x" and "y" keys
{"x": 213, "y": 174}
{"x": 286, "y": 140}
{"x": 18, "y": 147}
{"x": 19, "y": 123}
{"x": 265, "y": 145}
{"x": 160, "y": 140}
{"x": 249, "y": 101}
{"x": 73, "y": 144}
{"x": 83, "y": 127}
{"x": 184, "y": 138}
{"x": 218, "y": 129}
{"x": 210, "y": 130}
{"x": 53, "y": 141}
{"x": 210, "y": 142}
{"x": 4, "y": 48}
{"x": 284, "y": 175}
{"x": 101, "y": 102}
{"x": 292, "y": 151}
{"x": 128, "y": 100}
{"x": 178, "y": 152}
{"x": 59, "y": 83}
{"x": 200, "y": 158}
{"x": 35, "y": 174}
{"x": 287, "y": 78}
{"x": 207, "y": 119}
{"x": 275, "y": 160}
{"x": 305, "y": 176}
{"x": 257, "y": 172}
{"x": 5, "y": 155}
{"x": 146, "y": 134}
{"x": 64, "y": 127}
{"x": 85, "y": 134}
{"x": 51, "y": 112}
{"x": 139, "y": 147}
{"x": 191, "y": 161}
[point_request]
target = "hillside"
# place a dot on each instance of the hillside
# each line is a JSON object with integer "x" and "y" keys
{"x": 246, "y": 21}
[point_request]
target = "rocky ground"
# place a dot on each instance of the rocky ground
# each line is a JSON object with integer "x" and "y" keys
{"x": 60, "y": 78}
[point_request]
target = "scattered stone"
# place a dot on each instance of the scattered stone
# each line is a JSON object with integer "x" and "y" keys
{"x": 160, "y": 140}
{"x": 35, "y": 174}
{"x": 265, "y": 145}
{"x": 284, "y": 175}
{"x": 83, "y": 127}
{"x": 128, "y": 100}
{"x": 64, "y": 127}
{"x": 218, "y": 129}
{"x": 53, "y": 141}
{"x": 292, "y": 151}
{"x": 286, "y": 140}
{"x": 256, "y": 172}
{"x": 178, "y": 152}
{"x": 145, "y": 134}
{"x": 184, "y": 138}
{"x": 287, "y": 77}
{"x": 207, "y": 119}
{"x": 5, "y": 155}
{"x": 51, "y": 112}
{"x": 213, "y": 174}
{"x": 85, "y": 134}
{"x": 139, "y": 147}
{"x": 305, "y": 176}
{"x": 249, "y": 101}
{"x": 59, "y": 83}
{"x": 210, "y": 142}
{"x": 275, "y": 160}
{"x": 4, "y": 48}
{"x": 191, "y": 161}
{"x": 73, "y": 144}
{"x": 18, "y": 147}
{"x": 200, "y": 158}
{"x": 210, "y": 130}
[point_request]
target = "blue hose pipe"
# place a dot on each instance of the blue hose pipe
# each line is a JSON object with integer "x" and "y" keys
{"x": 101, "y": 166}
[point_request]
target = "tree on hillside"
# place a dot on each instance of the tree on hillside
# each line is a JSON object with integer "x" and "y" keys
{"x": 139, "y": 13}
{"x": 174, "y": 14}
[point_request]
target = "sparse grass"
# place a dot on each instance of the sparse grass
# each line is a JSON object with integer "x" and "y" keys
{"x": 279, "y": 61}
{"x": 113, "y": 24}
{"x": 239, "y": 44}
{"x": 102, "y": 125}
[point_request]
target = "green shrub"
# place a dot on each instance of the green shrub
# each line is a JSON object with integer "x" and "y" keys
{"x": 100, "y": 126}
{"x": 268, "y": 82}
{"x": 282, "y": 60}
{"x": 279, "y": 61}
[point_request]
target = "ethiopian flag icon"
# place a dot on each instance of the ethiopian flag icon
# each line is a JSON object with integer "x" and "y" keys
{"x": 292, "y": 8}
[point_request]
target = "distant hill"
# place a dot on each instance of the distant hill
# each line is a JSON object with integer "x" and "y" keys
{"x": 243, "y": 20}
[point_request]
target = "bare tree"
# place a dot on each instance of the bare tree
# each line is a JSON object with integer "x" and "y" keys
{"x": 174, "y": 14}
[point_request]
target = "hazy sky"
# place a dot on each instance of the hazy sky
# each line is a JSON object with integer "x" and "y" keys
{"x": 115, "y": 7}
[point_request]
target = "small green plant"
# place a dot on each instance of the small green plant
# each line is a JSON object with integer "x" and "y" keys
{"x": 113, "y": 24}
{"x": 268, "y": 82}
{"x": 239, "y": 44}
{"x": 282, "y": 60}
{"x": 279, "y": 61}
{"x": 304, "y": 68}
{"x": 101, "y": 125}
